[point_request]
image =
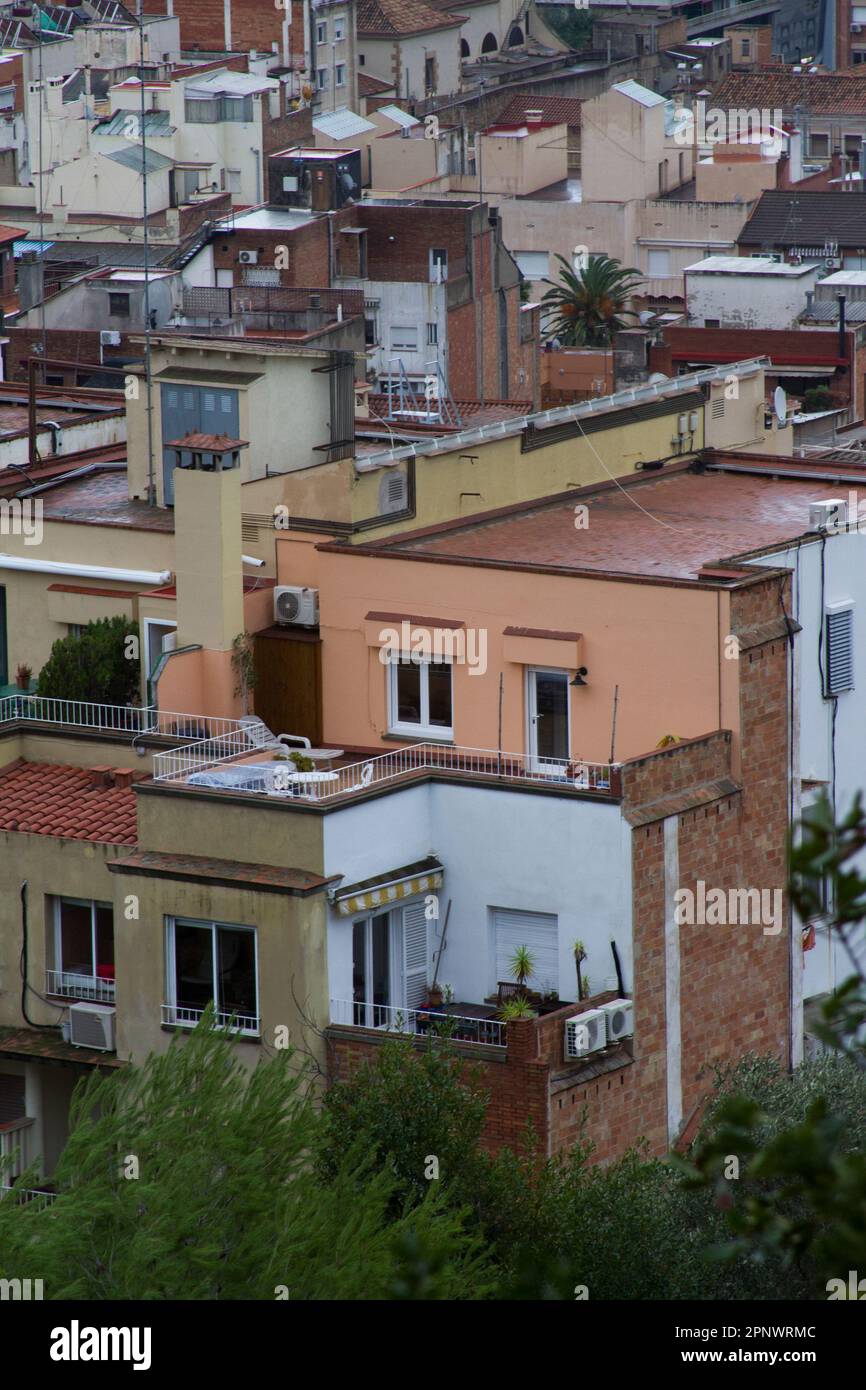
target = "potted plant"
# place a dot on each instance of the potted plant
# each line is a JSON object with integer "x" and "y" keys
{"x": 515, "y": 1009}
{"x": 579, "y": 957}
{"x": 522, "y": 965}
{"x": 434, "y": 997}
{"x": 300, "y": 760}
{"x": 23, "y": 676}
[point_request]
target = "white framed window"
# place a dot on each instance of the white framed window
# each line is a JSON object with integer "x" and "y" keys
{"x": 658, "y": 263}
{"x": 839, "y": 649}
{"x": 7, "y": 98}
{"x": 322, "y": 79}
{"x": 533, "y": 265}
{"x": 339, "y": 30}
{"x": 390, "y": 961}
{"x": 211, "y": 962}
{"x": 82, "y": 950}
{"x": 438, "y": 264}
{"x": 340, "y": 74}
{"x": 404, "y": 339}
{"x": 322, "y": 32}
{"x": 420, "y": 699}
{"x": 539, "y": 932}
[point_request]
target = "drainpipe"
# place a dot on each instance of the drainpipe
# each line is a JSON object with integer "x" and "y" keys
{"x": 840, "y": 300}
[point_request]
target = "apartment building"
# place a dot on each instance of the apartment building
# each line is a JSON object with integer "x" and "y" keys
{"x": 415, "y": 45}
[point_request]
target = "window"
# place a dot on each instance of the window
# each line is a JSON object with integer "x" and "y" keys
{"x": 322, "y": 32}
{"x": 390, "y": 959}
{"x": 438, "y": 264}
{"x": 322, "y": 79}
{"x": 658, "y": 263}
{"x": 430, "y": 75}
{"x": 420, "y": 697}
{"x": 7, "y": 98}
{"x": 371, "y": 337}
{"x": 233, "y": 180}
{"x": 404, "y": 339}
{"x": 537, "y": 930}
{"x": 712, "y": 323}
{"x": 339, "y": 31}
{"x": 340, "y": 74}
{"x": 819, "y": 145}
{"x": 432, "y": 334}
{"x": 208, "y": 962}
{"x": 839, "y": 649}
{"x": 118, "y": 306}
{"x": 745, "y": 48}
{"x": 361, "y": 60}
{"x": 83, "y": 950}
{"x": 533, "y": 265}
{"x": 852, "y": 144}
{"x": 75, "y": 629}
{"x": 201, "y": 110}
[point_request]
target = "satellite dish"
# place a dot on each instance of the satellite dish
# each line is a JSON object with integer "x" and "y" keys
{"x": 780, "y": 405}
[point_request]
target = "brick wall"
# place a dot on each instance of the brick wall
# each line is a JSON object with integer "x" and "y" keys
{"x": 74, "y": 345}
{"x": 306, "y": 248}
{"x": 254, "y": 25}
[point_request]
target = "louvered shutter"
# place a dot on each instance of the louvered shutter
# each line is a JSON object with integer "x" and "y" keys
{"x": 539, "y": 932}
{"x": 414, "y": 955}
{"x": 840, "y": 651}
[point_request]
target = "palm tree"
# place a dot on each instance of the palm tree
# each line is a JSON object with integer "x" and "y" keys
{"x": 586, "y": 308}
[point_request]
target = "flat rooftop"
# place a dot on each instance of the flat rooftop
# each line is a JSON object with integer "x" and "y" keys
{"x": 101, "y": 499}
{"x": 751, "y": 265}
{"x": 670, "y": 527}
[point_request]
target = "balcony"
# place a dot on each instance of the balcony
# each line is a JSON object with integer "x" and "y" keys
{"x": 178, "y": 1016}
{"x": 480, "y": 1026}
{"x": 226, "y": 763}
{"x": 143, "y": 720}
{"x": 70, "y": 984}
{"x": 252, "y": 309}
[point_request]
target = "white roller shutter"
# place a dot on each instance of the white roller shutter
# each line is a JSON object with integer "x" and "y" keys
{"x": 414, "y": 955}
{"x": 539, "y": 932}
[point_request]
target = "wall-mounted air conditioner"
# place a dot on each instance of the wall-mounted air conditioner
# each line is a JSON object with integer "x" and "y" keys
{"x": 248, "y": 258}
{"x": 585, "y": 1033}
{"x": 296, "y": 606}
{"x": 92, "y": 1025}
{"x": 109, "y": 337}
{"x": 830, "y": 515}
{"x": 620, "y": 1019}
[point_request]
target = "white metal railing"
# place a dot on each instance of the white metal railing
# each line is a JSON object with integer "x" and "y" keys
{"x": 14, "y": 1145}
{"x": 74, "y": 985}
{"x": 129, "y": 719}
{"x": 490, "y": 1032}
{"x": 28, "y": 1194}
{"x": 180, "y": 763}
{"x": 179, "y": 1017}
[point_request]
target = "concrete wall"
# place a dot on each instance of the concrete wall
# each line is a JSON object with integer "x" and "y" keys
{"x": 751, "y": 300}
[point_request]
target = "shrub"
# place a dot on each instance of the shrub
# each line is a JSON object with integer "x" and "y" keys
{"x": 94, "y": 666}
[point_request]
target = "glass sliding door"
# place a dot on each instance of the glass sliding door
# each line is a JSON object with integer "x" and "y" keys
{"x": 548, "y": 721}
{"x": 371, "y": 970}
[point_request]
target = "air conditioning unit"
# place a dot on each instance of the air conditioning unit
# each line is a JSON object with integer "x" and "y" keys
{"x": 293, "y": 605}
{"x": 248, "y": 257}
{"x": 620, "y": 1019}
{"x": 92, "y": 1025}
{"x": 830, "y": 516}
{"x": 109, "y": 337}
{"x": 585, "y": 1033}
{"x": 833, "y": 262}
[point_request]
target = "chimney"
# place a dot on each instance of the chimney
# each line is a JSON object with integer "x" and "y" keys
{"x": 209, "y": 573}
{"x": 100, "y": 777}
{"x": 810, "y": 295}
{"x": 123, "y": 777}
{"x": 533, "y": 118}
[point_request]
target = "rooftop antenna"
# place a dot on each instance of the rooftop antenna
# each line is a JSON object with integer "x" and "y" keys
{"x": 151, "y": 487}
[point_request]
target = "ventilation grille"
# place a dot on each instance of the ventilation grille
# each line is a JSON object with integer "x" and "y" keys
{"x": 840, "y": 651}
{"x": 718, "y": 409}
{"x": 393, "y": 495}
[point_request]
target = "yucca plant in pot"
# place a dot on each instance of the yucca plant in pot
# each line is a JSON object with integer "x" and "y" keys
{"x": 515, "y": 1009}
{"x": 522, "y": 966}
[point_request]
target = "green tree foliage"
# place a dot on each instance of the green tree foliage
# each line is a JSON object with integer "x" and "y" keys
{"x": 587, "y": 307}
{"x": 101, "y": 665}
{"x": 574, "y": 27}
{"x": 226, "y": 1204}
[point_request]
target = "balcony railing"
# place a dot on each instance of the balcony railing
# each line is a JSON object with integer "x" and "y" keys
{"x": 15, "y": 1145}
{"x": 489, "y": 1032}
{"x": 278, "y": 778}
{"x": 72, "y": 984}
{"x": 128, "y": 719}
{"x": 176, "y": 1016}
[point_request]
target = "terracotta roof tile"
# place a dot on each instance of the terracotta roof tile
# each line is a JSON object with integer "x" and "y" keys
{"x": 402, "y": 17}
{"x": 61, "y": 801}
{"x": 821, "y": 94}
{"x": 558, "y": 110}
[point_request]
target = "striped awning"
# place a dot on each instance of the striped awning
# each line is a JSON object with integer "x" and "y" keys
{"x": 384, "y": 890}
